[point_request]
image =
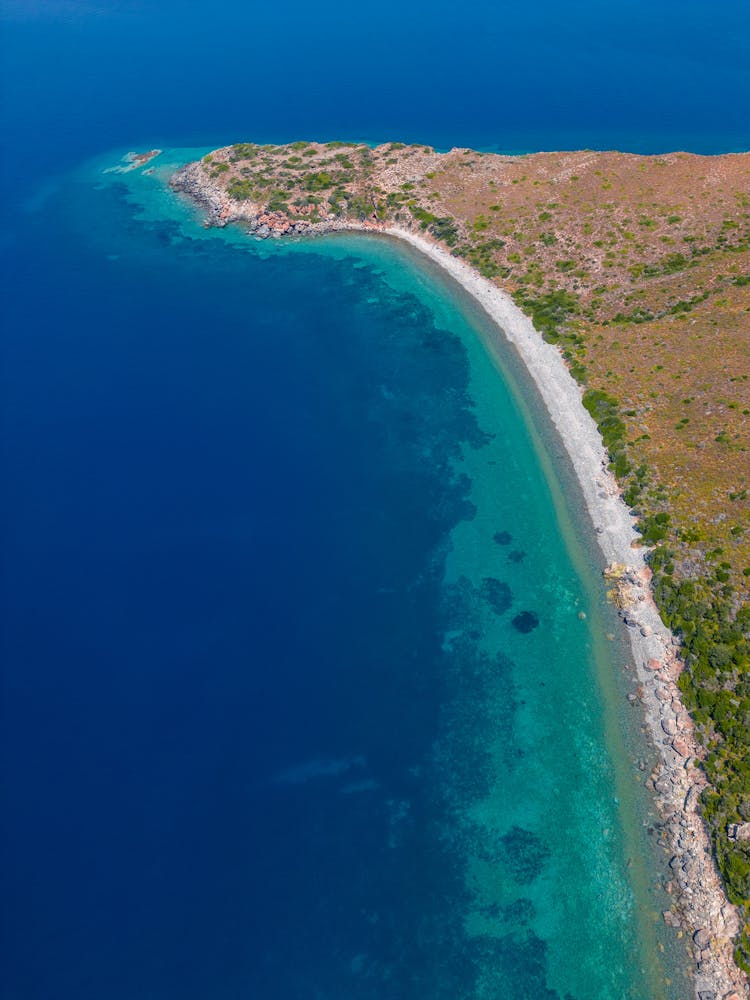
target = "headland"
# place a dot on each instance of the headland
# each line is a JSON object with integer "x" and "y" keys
{"x": 595, "y": 266}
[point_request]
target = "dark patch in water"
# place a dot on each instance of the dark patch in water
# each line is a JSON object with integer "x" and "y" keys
{"x": 525, "y": 854}
{"x": 515, "y": 965}
{"x": 522, "y": 911}
{"x": 468, "y": 511}
{"x": 519, "y": 912}
{"x": 497, "y": 594}
{"x": 517, "y": 555}
{"x": 527, "y": 621}
{"x": 503, "y": 537}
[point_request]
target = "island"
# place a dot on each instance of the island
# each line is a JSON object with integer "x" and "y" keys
{"x": 134, "y": 161}
{"x": 624, "y": 283}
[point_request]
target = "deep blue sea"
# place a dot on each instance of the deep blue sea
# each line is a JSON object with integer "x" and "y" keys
{"x": 306, "y": 689}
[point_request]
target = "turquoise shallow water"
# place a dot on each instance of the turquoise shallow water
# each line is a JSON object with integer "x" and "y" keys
{"x": 332, "y": 690}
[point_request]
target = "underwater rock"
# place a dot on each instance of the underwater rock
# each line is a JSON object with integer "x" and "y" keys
{"x": 497, "y": 594}
{"x": 525, "y": 854}
{"x": 527, "y": 621}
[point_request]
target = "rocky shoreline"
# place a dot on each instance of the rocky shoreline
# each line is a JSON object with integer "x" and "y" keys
{"x": 700, "y": 908}
{"x": 222, "y": 211}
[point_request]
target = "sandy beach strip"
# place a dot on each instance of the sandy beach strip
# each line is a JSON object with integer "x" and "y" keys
{"x": 701, "y": 908}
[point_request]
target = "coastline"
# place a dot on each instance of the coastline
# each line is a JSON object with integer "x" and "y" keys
{"x": 701, "y": 908}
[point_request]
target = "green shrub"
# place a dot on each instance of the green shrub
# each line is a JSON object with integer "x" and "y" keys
{"x": 277, "y": 203}
{"x": 244, "y": 151}
{"x": 605, "y": 411}
{"x": 319, "y": 181}
{"x": 445, "y": 229}
{"x": 549, "y": 312}
{"x": 654, "y": 528}
{"x": 241, "y": 190}
{"x": 423, "y": 217}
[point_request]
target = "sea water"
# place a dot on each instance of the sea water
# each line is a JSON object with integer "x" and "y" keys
{"x": 299, "y": 698}
{"x": 310, "y": 691}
